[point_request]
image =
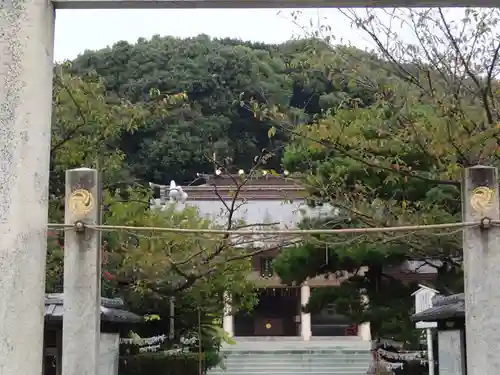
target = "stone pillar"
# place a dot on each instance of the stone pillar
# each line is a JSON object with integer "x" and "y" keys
{"x": 227, "y": 320}
{"x": 305, "y": 318}
{"x": 82, "y": 274}
{"x": 430, "y": 351}
{"x": 364, "y": 329}
{"x": 451, "y": 352}
{"x": 171, "y": 334}
{"x": 109, "y": 353}
{"x": 481, "y": 269}
{"x": 26, "y": 61}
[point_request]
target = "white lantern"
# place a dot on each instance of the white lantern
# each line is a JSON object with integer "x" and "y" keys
{"x": 173, "y": 192}
{"x": 176, "y": 193}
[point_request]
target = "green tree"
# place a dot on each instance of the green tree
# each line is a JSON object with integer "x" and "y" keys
{"x": 165, "y": 264}
{"x": 85, "y": 128}
{"x": 147, "y": 269}
{"x": 397, "y": 160}
{"x": 212, "y": 73}
{"x": 225, "y": 80}
{"x": 87, "y": 124}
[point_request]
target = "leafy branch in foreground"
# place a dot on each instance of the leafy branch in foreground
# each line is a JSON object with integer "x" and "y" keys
{"x": 391, "y": 153}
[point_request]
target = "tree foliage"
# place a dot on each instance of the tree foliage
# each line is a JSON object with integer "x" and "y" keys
{"x": 396, "y": 158}
{"x": 85, "y": 128}
{"x": 212, "y": 73}
{"x": 145, "y": 269}
{"x": 165, "y": 109}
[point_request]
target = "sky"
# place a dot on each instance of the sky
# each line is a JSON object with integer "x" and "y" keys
{"x": 78, "y": 30}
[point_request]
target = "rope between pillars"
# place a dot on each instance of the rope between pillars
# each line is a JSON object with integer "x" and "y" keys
{"x": 406, "y": 228}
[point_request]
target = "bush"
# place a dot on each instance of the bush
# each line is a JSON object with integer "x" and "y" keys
{"x": 160, "y": 363}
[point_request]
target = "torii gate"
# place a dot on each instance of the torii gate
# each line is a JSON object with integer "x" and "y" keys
{"x": 26, "y": 62}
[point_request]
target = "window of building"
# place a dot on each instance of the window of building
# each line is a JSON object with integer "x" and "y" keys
{"x": 266, "y": 267}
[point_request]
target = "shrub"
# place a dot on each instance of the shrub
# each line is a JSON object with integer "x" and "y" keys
{"x": 160, "y": 363}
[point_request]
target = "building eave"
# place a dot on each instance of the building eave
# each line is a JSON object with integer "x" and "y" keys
{"x": 444, "y": 307}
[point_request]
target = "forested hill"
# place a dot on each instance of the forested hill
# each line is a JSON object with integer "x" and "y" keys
{"x": 216, "y": 74}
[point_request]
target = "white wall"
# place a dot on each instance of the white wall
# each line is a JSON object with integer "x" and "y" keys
{"x": 287, "y": 214}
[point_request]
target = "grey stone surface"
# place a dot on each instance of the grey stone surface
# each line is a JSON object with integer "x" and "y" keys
{"x": 276, "y": 344}
{"x": 293, "y": 356}
{"x": 26, "y": 58}
{"x": 82, "y": 279}
{"x": 451, "y": 359}
{"x": 481, "y": 268}
{"x": 109, "y": 354}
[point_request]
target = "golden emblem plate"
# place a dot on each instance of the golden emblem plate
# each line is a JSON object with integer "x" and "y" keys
{"x": 482, "y": 199}
{"x": 81, "y": 202}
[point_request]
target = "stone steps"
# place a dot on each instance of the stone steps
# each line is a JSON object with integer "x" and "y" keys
{"x": 295, "y": 357}
{"x": 360, "y": 371}
{"x": 299, "y": 358}
{"x": 293, "y": 344}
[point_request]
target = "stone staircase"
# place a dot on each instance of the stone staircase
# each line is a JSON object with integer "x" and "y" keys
{"x": 292, "y": 356}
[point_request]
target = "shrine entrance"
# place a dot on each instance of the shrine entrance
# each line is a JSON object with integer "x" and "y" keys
{"x": 276, "y": 314}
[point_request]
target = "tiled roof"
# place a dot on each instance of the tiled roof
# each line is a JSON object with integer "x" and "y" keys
{"x": 443, "y": 308}
{"x": 112, "y": 310}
